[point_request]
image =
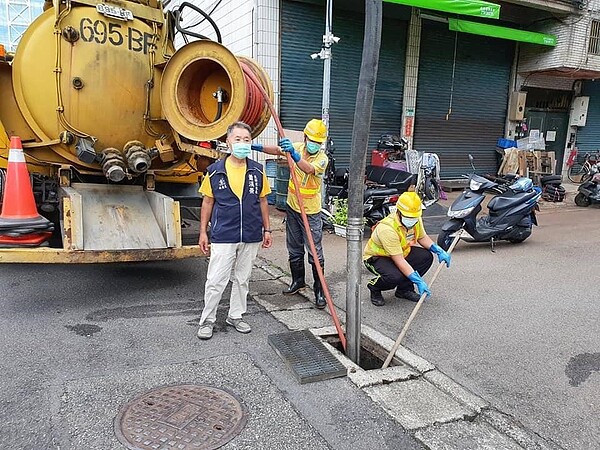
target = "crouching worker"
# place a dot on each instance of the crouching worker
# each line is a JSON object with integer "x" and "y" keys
{"x": 392, "y": 253}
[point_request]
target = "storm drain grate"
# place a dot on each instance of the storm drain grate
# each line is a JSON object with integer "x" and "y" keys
{"x": 185, "y": 417}
{"x": 306, "y": 356}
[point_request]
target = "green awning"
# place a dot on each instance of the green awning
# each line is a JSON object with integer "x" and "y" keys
{"x": 464, "y": 7}
{"x": 512, "y": 34}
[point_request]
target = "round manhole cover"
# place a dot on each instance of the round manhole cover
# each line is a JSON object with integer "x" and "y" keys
{"x": 186, "y": 417}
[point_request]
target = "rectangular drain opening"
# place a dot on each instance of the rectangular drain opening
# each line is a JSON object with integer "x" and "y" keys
{"x": 372, "y": 355}
{"x": 307, "y": 356}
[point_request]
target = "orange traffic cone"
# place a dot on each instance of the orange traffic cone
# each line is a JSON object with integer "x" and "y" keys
{"x": 20, "y": 222}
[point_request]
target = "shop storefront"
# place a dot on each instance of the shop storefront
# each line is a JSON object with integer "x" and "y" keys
{"x": 302, "y": 26}
{"x": 462, "y": 97}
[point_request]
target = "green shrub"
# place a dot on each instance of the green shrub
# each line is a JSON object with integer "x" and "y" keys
{"x": 340, "y": 215}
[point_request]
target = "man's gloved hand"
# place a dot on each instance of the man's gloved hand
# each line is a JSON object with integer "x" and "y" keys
{"x": 257, "y": 147}
{"x": 286, "y": 146}
{"x": 442, "y": 254}
{"x": 420, "y": 283}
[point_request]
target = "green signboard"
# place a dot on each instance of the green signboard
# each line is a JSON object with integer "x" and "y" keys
{"x": 512, "y": 34}
{"x": 464, "y": 7}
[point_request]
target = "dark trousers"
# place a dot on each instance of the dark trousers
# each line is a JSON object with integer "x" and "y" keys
{"x": 296, "y": 239}
{"x": 388, "y": 276}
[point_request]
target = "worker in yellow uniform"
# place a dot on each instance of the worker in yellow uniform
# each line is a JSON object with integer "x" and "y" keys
{"x": 311, "y": 162}
{"x": 399, "y": 252}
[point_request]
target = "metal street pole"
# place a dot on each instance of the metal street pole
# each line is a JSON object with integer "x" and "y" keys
{"x": 328, "y": 41}
{"x": 325, "y": 54}
{"x": 358, "y": 154}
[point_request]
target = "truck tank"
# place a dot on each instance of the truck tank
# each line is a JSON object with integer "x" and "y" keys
{"x": 108, "y": 111}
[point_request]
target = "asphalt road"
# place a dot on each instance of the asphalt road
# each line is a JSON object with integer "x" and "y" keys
{"x": 520, "y": 327}
{"x": 79, "y": 342}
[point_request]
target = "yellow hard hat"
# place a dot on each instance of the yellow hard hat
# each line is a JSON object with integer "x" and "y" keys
{"x": 316, "y": 130}
{"x": 409, "y": 204}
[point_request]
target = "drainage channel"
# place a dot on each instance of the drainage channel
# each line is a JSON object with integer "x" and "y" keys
{"x": 371, "y": 357}
{"x": 313, "y": 358}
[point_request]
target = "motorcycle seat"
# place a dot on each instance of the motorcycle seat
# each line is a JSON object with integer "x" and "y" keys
{"x": 379, "y": 192}
{"x": 392, "y": 178}
{"x": 509, "y": 199}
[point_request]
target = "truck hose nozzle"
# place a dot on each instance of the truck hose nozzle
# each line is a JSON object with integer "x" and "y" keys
{"x": 138, "y": 158}
{"x": 138, "y": 161}
{"x": 113, "y": 164}
{"x": 115, "y": 173}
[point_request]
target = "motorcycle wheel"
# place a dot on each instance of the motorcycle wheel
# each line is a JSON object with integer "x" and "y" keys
{"x": 577, "y": 173}
{"x": 445, "y": 239}
{"x": 431, "y": 189}
{"x": 582, "y": 200}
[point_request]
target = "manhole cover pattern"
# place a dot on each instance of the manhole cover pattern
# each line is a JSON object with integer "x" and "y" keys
{"x": 185, "y": 417}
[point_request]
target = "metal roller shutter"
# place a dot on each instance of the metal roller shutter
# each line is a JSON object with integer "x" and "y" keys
{"x": 302, "y": 27}
{"x": 588, "y": 137}
{"x": 480, "y": 96}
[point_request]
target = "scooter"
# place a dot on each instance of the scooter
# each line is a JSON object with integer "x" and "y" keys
{"x": 382, "y": 188}
{"x": 511, "y": 212}
{"x": 589, "y": 192}
{"x": 378, "y": 203}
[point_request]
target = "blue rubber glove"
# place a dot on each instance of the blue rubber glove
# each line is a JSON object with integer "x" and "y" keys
{"x": 442, "y": 254}
{"x": 257, "y": 147}
{"x": 420, "y": 283}
{"x": 286, "y": 146}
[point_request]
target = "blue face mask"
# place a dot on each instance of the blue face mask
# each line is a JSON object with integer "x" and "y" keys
{"x": 409, "y": 222}
{"x": 313, "y": 147}
{"x": 240, "y": 150}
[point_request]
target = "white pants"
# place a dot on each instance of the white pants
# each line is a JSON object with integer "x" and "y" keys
{"x": 223, "y": 258}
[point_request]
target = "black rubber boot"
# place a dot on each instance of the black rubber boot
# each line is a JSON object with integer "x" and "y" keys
{"x": 298, "y": 272}
{"x": 376, "y": 297}
{"x": 320, "y": 302}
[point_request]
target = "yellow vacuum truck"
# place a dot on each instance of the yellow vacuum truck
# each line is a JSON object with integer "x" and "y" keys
{"x": 118, "y": 126}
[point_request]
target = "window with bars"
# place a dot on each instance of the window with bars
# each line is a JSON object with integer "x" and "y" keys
{"x": 594, "y": 46}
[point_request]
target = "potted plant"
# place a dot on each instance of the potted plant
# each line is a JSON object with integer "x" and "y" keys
{"x": 340, "y": 216}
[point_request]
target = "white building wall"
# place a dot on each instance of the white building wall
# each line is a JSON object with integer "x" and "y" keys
{"x": 248, "y": 28}
{"x": 571, "y": 51}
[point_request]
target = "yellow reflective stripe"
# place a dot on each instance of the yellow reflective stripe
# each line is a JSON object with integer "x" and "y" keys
{"x": 377, "y": 250}
{"x": 304, "y": 191}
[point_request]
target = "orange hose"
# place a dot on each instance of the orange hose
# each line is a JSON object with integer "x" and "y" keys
{"x": 254, "y": 103}
{"x": 311, "y": 242}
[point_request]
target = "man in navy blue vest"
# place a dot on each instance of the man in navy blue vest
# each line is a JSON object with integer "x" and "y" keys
{"x": 235, "y": 202}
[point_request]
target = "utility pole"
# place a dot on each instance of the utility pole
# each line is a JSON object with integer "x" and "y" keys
{"x": 358, "y": 155}
{"x": 325, "y": 54}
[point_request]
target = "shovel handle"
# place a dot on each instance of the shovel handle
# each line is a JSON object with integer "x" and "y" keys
{"x": 417, "y": 307}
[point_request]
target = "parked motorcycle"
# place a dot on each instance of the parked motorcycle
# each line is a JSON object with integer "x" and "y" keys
{"x": 589, "y": 192}
{"x": 511, "y": 212}
{"x": 382, "y": 187}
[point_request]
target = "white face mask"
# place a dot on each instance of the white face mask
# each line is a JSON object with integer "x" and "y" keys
{"x": 409, "y": 222}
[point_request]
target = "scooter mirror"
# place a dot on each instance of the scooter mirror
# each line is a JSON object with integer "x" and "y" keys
{"x": 471, "y": 161}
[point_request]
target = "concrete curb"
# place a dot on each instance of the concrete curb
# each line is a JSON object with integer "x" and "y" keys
{"x": 439, "y": 412}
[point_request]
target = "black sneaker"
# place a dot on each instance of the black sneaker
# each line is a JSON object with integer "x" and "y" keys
{"x": 408, "y": 295}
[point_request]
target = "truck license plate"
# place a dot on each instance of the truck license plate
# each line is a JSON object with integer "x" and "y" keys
{"x": 114, "y": 12}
